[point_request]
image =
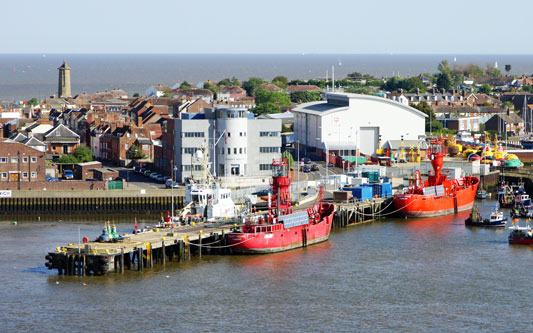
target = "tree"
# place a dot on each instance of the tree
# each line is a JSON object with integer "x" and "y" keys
{"x": 305, "y": 96}
{"x": 443, "y": 81}
{"x": 135, "y": 153}
{"x": 493, "y": 71}
{"x": 507, "y": 68}
{"x": 136, "y": 95}
{"x": 83, "y": 154}
{"x": 444, "y": 68}
{"x": 252, "y": 84}
{"x": 224, "y": 83}
{"x": 413, "y": 83}
{"x": 435, "y": 126}
{"x": 281, "y": 81}
{"x": 263, "y": 96}
{"x": 485, "y": 89}
{"x": 355, "y": 75}
{"x": 34, "y": 101}
{"x": 67, "y": 159}
{"x": 290, "y": 160}
{"x": 185, "y": 85}
{"x": 265, "y": 108}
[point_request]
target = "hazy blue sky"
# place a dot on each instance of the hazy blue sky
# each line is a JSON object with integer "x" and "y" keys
{"x": 271, "y": 26}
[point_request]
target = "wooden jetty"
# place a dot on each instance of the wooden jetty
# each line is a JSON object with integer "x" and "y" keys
{"x": 139, "y": 251}
{"x": 352, "y": 213}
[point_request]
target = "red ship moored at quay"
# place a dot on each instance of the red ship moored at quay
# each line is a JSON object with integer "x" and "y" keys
{"x": 437, "y": 195}
{"x": 282, "y": 229}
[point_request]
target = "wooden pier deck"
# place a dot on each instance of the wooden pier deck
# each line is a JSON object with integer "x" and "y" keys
{"x": 352, "y": 213}
{"x": 139, "y": 251}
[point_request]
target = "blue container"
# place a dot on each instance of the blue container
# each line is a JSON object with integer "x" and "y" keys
{"x": 362, "y": 193}
{"x": 386, "y": 190}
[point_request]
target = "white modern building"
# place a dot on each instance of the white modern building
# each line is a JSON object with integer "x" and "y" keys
{"x": 244, "y": 146}
{"x": 345, "y": 122}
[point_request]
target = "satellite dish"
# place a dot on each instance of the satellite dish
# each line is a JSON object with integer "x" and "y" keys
{"x": 199, "y": 154}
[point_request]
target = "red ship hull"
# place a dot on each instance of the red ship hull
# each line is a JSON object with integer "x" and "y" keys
{"x": 275, "y": 238}
{"x": 459, "y": 199}
{"x": 526, "y": 241}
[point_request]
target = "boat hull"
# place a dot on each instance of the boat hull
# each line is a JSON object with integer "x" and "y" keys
{"x": 527, "y": 241}
{"x": 498, "y": 224}
{"x": 281, "y": 240}
{"x": 419, "y": 205}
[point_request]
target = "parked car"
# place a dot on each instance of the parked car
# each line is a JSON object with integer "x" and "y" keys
{"x": 52, "y": 179}
{"x": 160, "y": 179}
{"x": 141, "y": 170}
{"x": 147, "y": 173}
{"x": 137, "y": 169}
{"x": 314, "y": 167}
{"x": 170, "y": 183}
{"x": 154, "y": 175}
{"x": 91, "y": 180}
{"x": 68, "y": 174}
{"x": 305, "y": 168}
{"x": 306, "y": 160}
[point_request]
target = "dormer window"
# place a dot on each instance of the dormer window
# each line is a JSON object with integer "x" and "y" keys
{"x": 57, "y": 133}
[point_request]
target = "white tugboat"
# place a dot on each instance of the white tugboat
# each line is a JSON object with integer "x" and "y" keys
{"x": 206, "y": 199}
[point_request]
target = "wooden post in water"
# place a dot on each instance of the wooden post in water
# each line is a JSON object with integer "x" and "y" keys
{"x": 122, "y": 261}
{"x": 163, "y": 252}
{"x": 140, "y": 259}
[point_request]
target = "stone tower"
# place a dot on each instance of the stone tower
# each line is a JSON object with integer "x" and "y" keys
{"x": 63, "y": 89}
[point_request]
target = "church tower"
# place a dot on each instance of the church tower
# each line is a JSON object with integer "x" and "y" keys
{"x": 63, "y": 89}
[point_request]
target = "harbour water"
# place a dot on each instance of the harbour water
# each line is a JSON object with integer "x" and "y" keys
{"x": 23, "y": 76}
{"x": 394, "y": 274}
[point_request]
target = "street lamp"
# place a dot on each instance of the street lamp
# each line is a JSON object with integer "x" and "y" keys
{"x": 298, "y": 166}
{"x": 172, "y": 182}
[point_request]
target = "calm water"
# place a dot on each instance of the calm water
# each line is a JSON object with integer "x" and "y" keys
{"x": 35, "y": 75}
{"x": 395, "y": 275}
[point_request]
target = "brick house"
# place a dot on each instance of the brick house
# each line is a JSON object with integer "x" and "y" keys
{"x": 230, "y": 93}
{"x": 20, "y": 163}
{"x": 61, "y": 140}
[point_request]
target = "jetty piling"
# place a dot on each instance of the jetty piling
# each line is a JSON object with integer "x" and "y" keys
{"x": 137, "y": 251}
{"x": 347, "y": 214}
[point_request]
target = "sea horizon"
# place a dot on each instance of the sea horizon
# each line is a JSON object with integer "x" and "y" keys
{"x": 27, "y": 75}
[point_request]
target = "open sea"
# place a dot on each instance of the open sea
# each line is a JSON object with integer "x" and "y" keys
{"x": 406, "y": 275}
{"x": 23, "y": 76}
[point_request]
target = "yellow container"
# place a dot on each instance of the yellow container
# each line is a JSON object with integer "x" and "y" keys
{"x": 511, "y": 157}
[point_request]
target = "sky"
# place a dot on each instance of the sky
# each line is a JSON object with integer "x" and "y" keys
{"x": 271, "y": 26}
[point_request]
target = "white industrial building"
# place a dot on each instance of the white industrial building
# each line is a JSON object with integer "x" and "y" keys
{"x": 245, "y": 146}
{"x": 346, "y": 122}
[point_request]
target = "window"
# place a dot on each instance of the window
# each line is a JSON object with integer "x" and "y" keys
{"x": 229, "y": 134}
{"x": 3, "y": 159}
{"x": 240, "y": 133}
{"x": 24, "y": 175}
{"x": 126, "y": 146}
{"x": 25, "y": 159}
{"x": 240, "y": 150}
{"x": 264, "y": 167}
{"x": 269, "y": 149}
{"x": 193, "y": 134}
{"x": 34, "y": 175}
{"x": 146, "y": 147}
{"x": 34, "y": 159}
{"x": 4, "y": 175}
{"x": 245, "y": 150}
{"x": 14, "y": 159}
{"x": 189, "y": 150}
{"x": 58, "y": 133}
{"x": 229, "y": 151}
{"x": 235, "y": 150}
{"x": 271, "y": 133}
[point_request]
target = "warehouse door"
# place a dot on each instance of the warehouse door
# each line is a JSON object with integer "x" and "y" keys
{"x": 368, "y": 140}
